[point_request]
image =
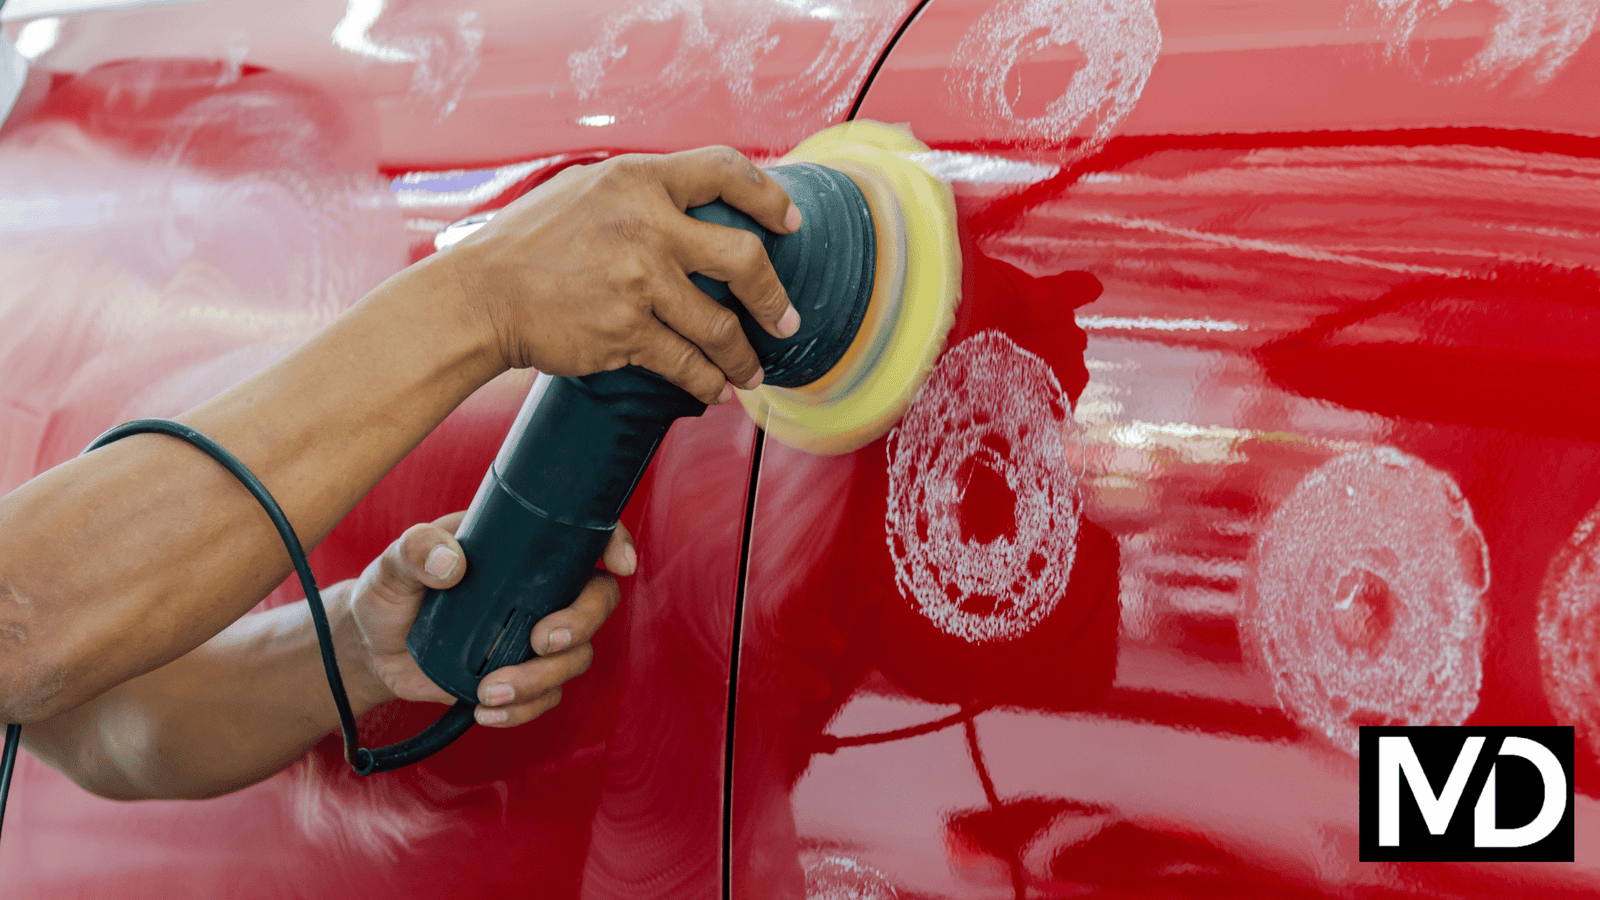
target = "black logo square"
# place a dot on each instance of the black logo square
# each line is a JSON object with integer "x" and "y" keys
{"x": 1448, "y": 793}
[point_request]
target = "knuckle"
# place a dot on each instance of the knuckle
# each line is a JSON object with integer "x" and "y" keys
{"x": 416, "y": 537}
{"x": 774, "y": 299}
{"x": 736, "y": 163}
{"x": 630, "y": 168}
{"x": 583, "y": 658}
{"x": 687, "y": 360}
{"x": 723, "y": 155}
{"x": 722, "y": 329}
{"x": 746, "y": 250}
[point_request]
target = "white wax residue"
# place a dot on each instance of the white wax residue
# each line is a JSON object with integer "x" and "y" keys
{"x": 1543, "y": 34}
{"x": 1366, "y": 602}
{"x": 1569, "y": 632}
{"x": 1118, "y": 39}
{"x": 835, "y": 877}
{"x": 988, "y": 403}
{"x": 366, "y": 818}
{"x": 442, "y": 47}
{"x": 725, "y": 42}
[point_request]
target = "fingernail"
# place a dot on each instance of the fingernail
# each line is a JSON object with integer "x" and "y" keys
{"x": 441, "y": 561}
{"x": 559, "y": 639}
{"x": 630, "y": 559}
{"x": 791, "y": 220}
{"x": 755, "y": 380}
{"x": 491, "y": 716}
{"x": 727, "y": 393}
{"x": 790, "y": 323}
{"x": 498, "y": 694}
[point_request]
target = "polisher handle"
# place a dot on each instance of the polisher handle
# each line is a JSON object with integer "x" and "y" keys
{"x": 542, "y": 516}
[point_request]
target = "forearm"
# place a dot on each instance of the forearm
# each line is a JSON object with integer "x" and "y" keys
{"x": 123, "y": 560}
{"x": 232, "y": 712}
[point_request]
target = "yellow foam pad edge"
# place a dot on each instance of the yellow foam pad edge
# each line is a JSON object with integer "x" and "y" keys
{"x": 917, "y": 283}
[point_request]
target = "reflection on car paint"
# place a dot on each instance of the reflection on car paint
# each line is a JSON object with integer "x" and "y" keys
{"x": 112, "y": 310}
{"x": 1540, "y": 35}
{"x": 983, "y": 508}
{"x": 1364, "y": 601}
{"x": 657, "y": 826}
{"x": 37, "y": 37}
{"x": 1116, "y": 44}
{"x": 980, "y": 168}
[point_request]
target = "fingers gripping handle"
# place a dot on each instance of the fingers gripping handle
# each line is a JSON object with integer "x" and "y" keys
{"x": 826, "y": 267}
{"x": 543, "y": 515}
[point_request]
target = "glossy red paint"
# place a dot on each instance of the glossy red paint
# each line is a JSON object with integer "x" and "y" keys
{"x": 1329, "y": 431}
{"x": 1219, "y": 257}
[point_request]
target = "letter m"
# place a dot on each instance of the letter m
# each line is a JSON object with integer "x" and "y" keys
{"x": 1395, "y": 755}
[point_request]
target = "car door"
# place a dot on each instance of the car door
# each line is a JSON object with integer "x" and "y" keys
{"x": 1265, "y": 417}
{"x": 189, "y": 189}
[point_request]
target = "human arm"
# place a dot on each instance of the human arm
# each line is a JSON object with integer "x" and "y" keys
{"x": 253, "y": 699}
{"x": 119, "y": 562}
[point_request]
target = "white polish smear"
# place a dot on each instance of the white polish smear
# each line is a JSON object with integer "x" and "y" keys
{"x": 989, "y": 403}
{"x": 725, "y": 42}
{"x": 1367, "y": 602}
{"x": 1569, "y": 632}
{"x": 1119, "y": 41}
{"x": 835, "y": 877}
{"x": 1542, "y": 34}
{"x": 977, "y": 168}
{"x": 365, "y": 818}
{"x": 441, "y": 46}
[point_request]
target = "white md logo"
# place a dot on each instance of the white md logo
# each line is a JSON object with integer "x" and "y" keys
{"x": 1395, "y": 755}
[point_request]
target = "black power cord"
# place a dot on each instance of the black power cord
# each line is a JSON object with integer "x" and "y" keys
{"x": 13, "y": 739}
{"x": 363, "y": 760}
{"x": 291, "y": 542}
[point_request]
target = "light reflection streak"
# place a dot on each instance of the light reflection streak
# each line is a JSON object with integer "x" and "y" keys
{"x": 37, "y": 37}
{"x": 1148, "y": 323}
{"x": 974, "y": 168}
{"x": 1256, "y": 244}
{"x": 351, "y": 33}
{"x": 409, "y": 191}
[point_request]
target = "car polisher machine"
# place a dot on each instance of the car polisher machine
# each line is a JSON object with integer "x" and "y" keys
{"x": 874, "y": 271}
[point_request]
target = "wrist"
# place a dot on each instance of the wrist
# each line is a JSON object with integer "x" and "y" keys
{"x": 434, "y": 299}
{"x": 457, "y": 276}
{"x": 362, "y": 684}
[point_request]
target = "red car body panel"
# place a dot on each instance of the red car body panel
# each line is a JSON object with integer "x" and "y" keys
{"x": 1326, "y": 468}
{"x": 1272, "y": 381}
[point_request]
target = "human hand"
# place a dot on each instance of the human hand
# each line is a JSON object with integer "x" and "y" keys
{"x": 384, "y": 603}
{"x": 590, "y": 271}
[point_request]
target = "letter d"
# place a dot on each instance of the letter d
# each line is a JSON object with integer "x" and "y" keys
{"x": 1485, "y": 834}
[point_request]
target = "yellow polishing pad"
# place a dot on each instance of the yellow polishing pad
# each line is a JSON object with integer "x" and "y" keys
{"x": 917, "y": 282}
